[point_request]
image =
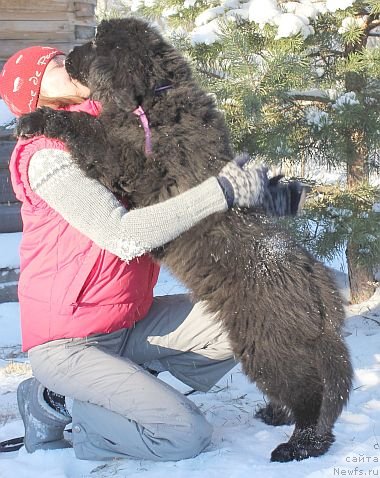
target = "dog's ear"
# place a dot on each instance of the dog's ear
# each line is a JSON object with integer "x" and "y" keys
{"x": 103, "y": 31}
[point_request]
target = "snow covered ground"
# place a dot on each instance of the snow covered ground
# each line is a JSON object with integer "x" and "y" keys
{"x": 241, "y": 444}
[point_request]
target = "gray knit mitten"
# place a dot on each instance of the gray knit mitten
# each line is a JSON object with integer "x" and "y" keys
{"x": 243, "y": 183}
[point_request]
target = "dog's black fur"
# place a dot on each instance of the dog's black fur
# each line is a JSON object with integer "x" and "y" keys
{"x": 279, "y": 305}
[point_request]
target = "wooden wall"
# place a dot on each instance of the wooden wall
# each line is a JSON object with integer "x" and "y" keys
{"x": 58, "y": 23}
{"x": 10, "y": 219}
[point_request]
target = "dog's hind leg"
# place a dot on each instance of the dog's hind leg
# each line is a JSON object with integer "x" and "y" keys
{"x": 315, "y": 394}
{"x": 306, "y": 400}
{"x": 292, "y": 384}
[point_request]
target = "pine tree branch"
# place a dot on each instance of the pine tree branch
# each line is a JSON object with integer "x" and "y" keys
{"x": 209, "y": 73}
{"x": 324, "y": 54}
{"x": 305, "y": 96}
{"x": 373, "y": 24}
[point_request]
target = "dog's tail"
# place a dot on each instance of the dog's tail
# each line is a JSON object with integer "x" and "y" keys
{"x": 336, "y": 373}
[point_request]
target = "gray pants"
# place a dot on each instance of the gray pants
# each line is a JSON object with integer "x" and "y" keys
{"x": 120, "y": 409}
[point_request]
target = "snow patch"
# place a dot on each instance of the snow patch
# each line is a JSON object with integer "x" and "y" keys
{"x": 208, "y": 15}
{"x": 290, "y": 24}
{"x": 207, "y": 34}
{"x": 351, "y": 22}
{"x": 334, "y": 5}
{"x": 348, "y": 98}
{"x": 355, "y": 418}
{"x": 9, "y": 247}
{"x": 373, "y": 405}
{"x": 263, "y": 11}
{"x": 315, "y": 117}
{"x": 367, "y": 378}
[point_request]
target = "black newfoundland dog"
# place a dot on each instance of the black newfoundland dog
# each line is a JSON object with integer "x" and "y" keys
{"x": 279, "y": 305}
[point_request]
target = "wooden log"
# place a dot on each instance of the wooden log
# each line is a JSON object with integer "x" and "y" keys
{"x": 8, "y": 284}
{"x": 6, "y": 191}
{"x": 39, "y": 38}
{"x": 91, "y": 2}
{"x": 84, "y": 9}
{"x": 40, "y": 6}
{"x": 54, "y": 30}
{"x": 10, "y": 217}
{"x": 30, "y": 15}
{"x": 27, "y": 26}
{"x": 84, "y": 33}
{"x": 50, "y": 17}
{"x": 8, "y": 274}
{"x": 7, "y": 134}
{"x": 8, "y": 47}
{"x": 85, "y": 22}
{"x": 8, "y": 292}
{"x": 6, "y": 148}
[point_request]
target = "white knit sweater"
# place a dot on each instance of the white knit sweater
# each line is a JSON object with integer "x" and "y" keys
{"x": 92, "y": 209}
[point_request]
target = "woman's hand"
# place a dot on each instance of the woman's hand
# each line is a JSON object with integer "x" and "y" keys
{"x": 243, "y": 183}
{"x": 247, "y": 185}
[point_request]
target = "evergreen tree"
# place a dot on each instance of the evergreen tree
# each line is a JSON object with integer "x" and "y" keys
{"x": 298, "y": 82}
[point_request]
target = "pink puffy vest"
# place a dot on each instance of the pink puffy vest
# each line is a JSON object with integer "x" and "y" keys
{"x": 68, "y": 286}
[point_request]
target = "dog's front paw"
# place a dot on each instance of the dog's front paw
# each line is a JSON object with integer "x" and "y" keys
{"x": 31, "y": 124}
